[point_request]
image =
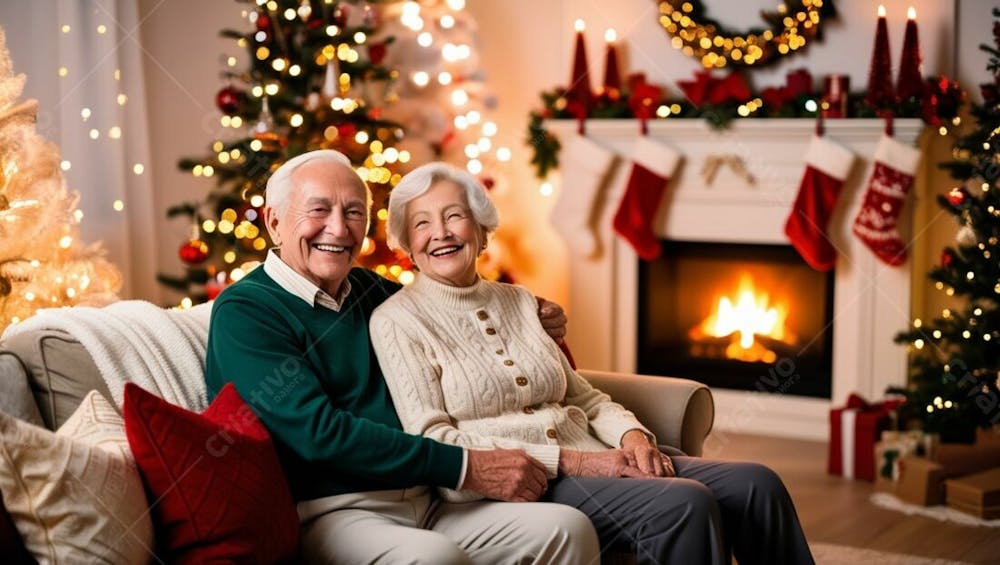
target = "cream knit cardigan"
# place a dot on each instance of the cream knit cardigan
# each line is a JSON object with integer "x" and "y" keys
{"x": 472, "y": 366}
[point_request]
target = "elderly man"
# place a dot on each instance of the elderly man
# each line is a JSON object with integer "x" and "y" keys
{"x": 293, "y": 338}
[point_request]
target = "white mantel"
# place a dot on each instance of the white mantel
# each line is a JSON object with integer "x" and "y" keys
{"x": 871, "y": 300}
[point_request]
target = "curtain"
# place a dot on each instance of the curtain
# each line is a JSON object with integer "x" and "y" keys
{"x": 83, "y": 60}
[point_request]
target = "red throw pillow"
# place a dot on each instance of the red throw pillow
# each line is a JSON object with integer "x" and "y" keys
{"x": 214, "y": 479}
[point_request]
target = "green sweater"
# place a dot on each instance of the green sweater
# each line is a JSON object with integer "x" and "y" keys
{"x": 311, "y": 376}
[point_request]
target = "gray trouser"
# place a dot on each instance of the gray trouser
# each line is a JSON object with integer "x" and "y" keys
{"x": 711, "y": 510}
{"x": 414, "y": 526}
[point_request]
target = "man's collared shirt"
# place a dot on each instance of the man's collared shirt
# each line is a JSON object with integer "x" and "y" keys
{"x": 290, "y": 280}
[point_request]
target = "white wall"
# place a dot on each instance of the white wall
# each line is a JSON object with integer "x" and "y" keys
{"x": 526, "y": 48}
{"x": 184, "y": 56}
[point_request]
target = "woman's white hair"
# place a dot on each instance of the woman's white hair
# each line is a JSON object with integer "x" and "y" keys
{"x": 280, "y": 185}
{"x": 419, "y": 181}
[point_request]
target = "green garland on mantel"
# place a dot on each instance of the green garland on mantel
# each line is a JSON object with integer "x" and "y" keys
{"x": 546, "y": 146}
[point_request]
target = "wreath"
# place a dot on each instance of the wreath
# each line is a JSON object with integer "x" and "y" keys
{"x": 790, "y": 27}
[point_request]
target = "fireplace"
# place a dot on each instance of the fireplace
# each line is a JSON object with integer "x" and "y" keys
{"x": 711, "y": 201}
{"x": 725, "y": 314}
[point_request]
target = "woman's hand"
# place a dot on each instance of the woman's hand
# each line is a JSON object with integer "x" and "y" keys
{"x": 648, "y": 458}
{"x": 609, "y": 463}
{"x": 553, "y": 319}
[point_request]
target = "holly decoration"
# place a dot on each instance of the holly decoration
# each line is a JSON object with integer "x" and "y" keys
{"x": 194, "y": 252}
{"x": 942, "y": 98}
{"x": 230, "y": 100}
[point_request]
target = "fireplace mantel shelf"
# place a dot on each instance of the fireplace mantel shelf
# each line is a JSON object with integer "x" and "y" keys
{"x": 871, "y": 300}
{"x": 847, "y": 130}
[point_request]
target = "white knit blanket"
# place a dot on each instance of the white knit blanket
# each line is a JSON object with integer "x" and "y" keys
{"x": 161, "y": 350}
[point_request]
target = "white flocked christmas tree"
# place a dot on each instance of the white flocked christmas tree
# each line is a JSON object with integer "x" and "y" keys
{"x": 43, "y": 262}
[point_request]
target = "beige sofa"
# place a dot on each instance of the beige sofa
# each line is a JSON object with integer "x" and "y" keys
{"x": 45, "y": 374}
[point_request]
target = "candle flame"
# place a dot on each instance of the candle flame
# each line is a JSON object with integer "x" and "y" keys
{"x": 911, "y": 13}
{"x": 579, "y": 25}
{"x": 881, "y": 11}
{"x": 610, "y": 36}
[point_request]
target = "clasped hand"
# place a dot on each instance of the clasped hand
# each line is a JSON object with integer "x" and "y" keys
{"x": 646, "y": 456}
{"x": 614, "y": 463}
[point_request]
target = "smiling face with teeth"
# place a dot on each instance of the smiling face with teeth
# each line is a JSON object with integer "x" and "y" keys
{"x": 323, "y": 223}
{"x": 444, "y": 238}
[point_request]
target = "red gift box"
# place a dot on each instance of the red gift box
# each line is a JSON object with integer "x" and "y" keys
{"x": 854, "y": 430}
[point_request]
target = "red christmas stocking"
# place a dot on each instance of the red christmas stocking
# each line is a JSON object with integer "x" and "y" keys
{"x": 585, "y": 166}
{"x": 891, "y": 179}
{"x": 827, "y": 165}
{"x": 652, "y": 166}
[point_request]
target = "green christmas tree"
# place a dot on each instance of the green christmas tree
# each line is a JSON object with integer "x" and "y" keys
{"x": 955, "y": 366}
{"x": 390, "y": 84}
{"x": 314, "y": 80}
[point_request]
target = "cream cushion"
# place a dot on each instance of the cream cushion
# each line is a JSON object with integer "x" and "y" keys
{"x": 75, "y": 495}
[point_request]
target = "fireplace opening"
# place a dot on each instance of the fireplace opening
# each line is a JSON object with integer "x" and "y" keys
{"x": 738, "y": 316}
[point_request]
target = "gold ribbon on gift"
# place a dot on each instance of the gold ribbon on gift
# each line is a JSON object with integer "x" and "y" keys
{"x": 713, "y": 163}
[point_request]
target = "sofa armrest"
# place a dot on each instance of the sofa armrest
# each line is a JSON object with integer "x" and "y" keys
{"x": 679, "y": 411}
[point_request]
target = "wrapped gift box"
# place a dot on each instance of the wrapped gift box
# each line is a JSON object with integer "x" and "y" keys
{"x": 921, "y": 481}
{"x": 890, "y": 451}
{"x": 854, "y": 430}
{"x": 977, "y": 494}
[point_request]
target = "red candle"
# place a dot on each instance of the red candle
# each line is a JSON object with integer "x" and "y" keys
{"x": 612, "y": 79}
{"x": 910, "y": 84}
{"x": 579, "y": 83}
{"x": 880, "y": 91}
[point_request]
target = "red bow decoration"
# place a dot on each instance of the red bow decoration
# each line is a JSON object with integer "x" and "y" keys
{"x": 707, "y": 88}
{"x": 797, "y": 83}
{"x": 857, "y": 402}
{"x": 643, "y": 97}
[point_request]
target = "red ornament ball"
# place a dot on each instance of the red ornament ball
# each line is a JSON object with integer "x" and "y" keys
{"x": 958, "y": 197}
{"x": 193, "y": 252}
{"x": 347, "y": 130}
{"x": 946, "y": 258}
{"x": 340, "y": 15}
{"x": 263, "y": 22}
{"x": 230, "y": 100}
{"x": 213, "y": 288}
{"x": 488, "y": 183}
{"x": 377, "y": 52}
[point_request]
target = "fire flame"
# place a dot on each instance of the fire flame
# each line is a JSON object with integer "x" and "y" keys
{"x": 747, "y": 315}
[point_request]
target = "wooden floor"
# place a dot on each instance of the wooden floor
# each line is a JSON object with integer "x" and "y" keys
{"x": 834, "y": 510}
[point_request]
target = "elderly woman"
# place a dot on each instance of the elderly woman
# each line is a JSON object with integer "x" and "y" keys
{"x": 468, "y": 363}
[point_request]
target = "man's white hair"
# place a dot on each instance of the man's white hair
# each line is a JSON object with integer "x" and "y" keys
{"x": 280, "y": 185}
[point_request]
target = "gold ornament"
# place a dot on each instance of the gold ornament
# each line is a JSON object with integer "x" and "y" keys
{"x": 790, "y": 27}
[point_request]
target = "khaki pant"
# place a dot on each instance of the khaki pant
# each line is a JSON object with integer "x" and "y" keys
{"x": 415, "y": 526}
